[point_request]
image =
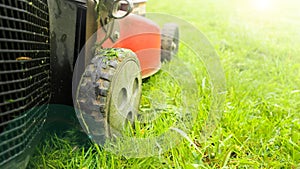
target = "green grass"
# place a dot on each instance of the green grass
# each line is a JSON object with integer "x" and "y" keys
{"x": 260, "y": 127}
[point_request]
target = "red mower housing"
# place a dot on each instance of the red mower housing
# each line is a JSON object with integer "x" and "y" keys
{"x": 140, "y": 35}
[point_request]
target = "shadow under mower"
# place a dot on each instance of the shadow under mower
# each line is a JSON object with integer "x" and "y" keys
{"x": 126, "y": 48}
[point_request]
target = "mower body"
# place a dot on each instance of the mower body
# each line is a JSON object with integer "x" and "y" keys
{"x": 140, "y": 35}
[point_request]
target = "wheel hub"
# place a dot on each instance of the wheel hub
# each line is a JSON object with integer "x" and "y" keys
{"x": 125, "y": 95}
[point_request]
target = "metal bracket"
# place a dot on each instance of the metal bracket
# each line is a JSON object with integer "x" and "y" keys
{"x": 113, "y": 29}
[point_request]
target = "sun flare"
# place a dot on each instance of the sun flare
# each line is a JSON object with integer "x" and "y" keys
{"x": 262, "y": 5}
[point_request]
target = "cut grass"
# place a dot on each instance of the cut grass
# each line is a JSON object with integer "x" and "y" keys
{"x": 260, "y": 127}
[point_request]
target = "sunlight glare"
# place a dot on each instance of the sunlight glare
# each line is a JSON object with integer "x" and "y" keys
{"x": 262, "y": 5}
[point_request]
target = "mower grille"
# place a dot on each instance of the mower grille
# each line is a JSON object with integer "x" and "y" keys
{"x": 24, "y": 74}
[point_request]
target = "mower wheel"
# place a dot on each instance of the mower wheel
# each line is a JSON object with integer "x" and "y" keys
{"x": 109, "y": 93}
{"x": 169, "y": 41}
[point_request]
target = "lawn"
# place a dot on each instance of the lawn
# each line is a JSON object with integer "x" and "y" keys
{"x": 258, "y": 45}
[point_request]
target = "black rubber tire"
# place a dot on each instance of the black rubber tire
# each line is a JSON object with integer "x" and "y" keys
{"x": 169, "y": 41}
{"x": 93, "y": 94}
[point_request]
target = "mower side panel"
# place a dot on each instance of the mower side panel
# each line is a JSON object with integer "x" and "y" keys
{"x": 140, "y": 35}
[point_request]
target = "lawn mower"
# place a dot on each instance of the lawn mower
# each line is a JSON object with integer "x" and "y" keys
{"x": 99, "y": 49}
{"x": 113, "y": 74}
